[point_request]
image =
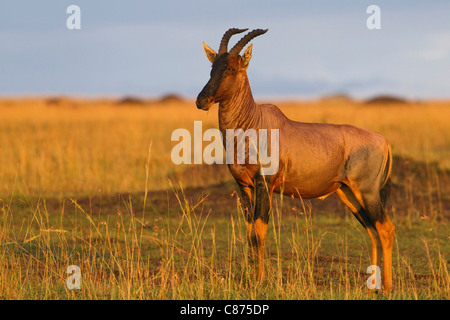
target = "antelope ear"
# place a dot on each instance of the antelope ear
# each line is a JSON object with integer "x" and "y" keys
{"x": 210, "y": 53}
{"x": 246, "y": 56}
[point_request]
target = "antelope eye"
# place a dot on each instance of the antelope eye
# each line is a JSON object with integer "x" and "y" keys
{"x": 231, "y": 69}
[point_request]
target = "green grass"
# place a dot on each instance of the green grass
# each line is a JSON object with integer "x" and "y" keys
{"x": 130, "y": 251}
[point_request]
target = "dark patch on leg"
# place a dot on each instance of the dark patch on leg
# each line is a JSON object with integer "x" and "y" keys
{"x": 360, "y": 215}
{"x": 375, "y": 210}
{"x": 247, "y": 202}
{"x": 385, "y": 192}
{"x": 262, "y": 201}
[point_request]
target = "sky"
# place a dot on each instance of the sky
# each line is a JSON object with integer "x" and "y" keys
{"x": 152, "y": 48}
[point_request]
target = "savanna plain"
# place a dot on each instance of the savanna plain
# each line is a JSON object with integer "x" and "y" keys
{"x": 90, "y": 182}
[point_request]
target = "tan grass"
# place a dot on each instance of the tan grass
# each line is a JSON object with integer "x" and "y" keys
{"x": 90, "y": 146}
{"x": 85, "y": 148}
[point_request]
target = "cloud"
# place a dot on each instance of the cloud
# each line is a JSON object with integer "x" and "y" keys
{"x": 438, "y": 48}
{"x": 304, "y": 87}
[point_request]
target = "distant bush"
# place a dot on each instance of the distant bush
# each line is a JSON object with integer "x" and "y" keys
{"x": 131, "y": 100}
{"x": 337, "y": 97}
{"x": 386, "y": 99}
{"x": 171, "y": 98}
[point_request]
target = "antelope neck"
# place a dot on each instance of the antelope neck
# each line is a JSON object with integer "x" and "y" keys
{"x": 240, "y": 110}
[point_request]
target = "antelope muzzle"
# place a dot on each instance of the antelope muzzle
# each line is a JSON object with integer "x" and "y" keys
{"x": 204, "y": 102}
{"x": 205, "y": 98}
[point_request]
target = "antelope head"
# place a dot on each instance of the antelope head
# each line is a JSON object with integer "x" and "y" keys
{"x": 227, "y": 68}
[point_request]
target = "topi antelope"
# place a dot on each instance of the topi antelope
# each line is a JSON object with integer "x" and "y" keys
{"x": 315, "y": 159}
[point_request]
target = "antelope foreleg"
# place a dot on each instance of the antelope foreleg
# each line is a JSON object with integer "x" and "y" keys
{"x": 258, "y": 225}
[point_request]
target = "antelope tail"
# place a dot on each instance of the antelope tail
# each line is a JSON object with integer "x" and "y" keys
{"x": 386, "y": 185}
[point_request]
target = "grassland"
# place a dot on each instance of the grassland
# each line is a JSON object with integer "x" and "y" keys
{"x": 91, "y": 183}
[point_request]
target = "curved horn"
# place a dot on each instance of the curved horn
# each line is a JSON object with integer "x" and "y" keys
{"x": 226, "y": 37}
{"x": 246, "y": 39}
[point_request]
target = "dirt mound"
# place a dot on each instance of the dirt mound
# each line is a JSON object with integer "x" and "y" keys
{"x": 337, "y": 97}
{"x": 386, "y": 99}
{"x": 137, "y": 101}
{"x": 171, "y": 98}
{"x": 131, "y": 100}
